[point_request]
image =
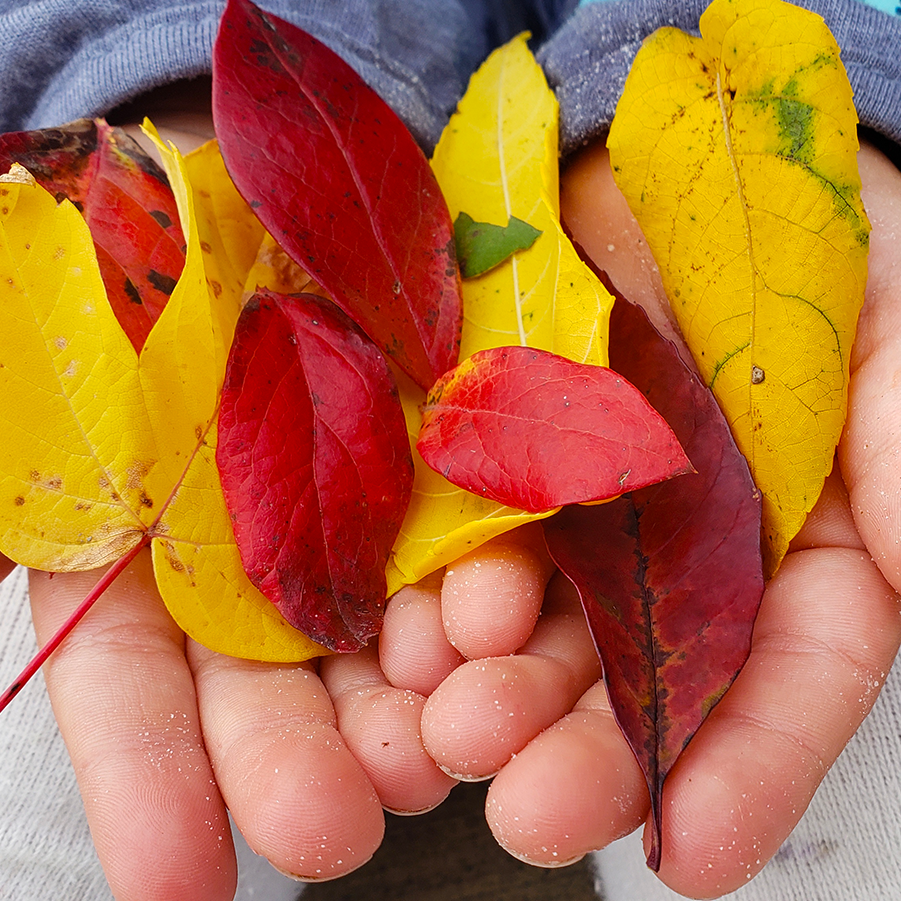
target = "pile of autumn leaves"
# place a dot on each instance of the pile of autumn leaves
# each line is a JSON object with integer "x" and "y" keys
{"x": 246, "y": 393}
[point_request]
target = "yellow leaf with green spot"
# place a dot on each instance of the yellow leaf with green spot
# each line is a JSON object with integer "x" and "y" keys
{"x": 497, "y": 158}
{"x": 103, "y": 450}
{"x": 736, "y": 151}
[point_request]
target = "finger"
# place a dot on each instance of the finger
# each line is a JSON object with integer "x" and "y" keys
{"x": 414, "y": 651}
{"x": 826, "y": 635}
{"x": 487, "y": 710}
{"x": 491, "y": 597}
{"x": 295, "y": 791}
{"x": 870, "y": 451}
{"x": 592, "y": 790}
{"x": 381, "y": 725}
{"x": 124, "y": 699}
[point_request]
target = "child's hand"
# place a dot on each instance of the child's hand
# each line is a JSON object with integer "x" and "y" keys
{"x": 825, "y": 638}
{"x": 165, "y": 735}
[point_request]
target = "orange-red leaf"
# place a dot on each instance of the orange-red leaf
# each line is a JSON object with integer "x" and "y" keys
{"x": 128, "y": 205}
{"x": 533, "y": 430}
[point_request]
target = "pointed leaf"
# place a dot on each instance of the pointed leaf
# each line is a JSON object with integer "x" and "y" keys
{"x": 482, "y": 246}
{"x": 535, "y": 431}
{"x": 498, "y": 158}
{"x": 315, "y": 465}
{"x": 127, "y": 203}
{"x": 338, "y": 180}
{"x": 670, "y": 576}
{"x": 737, "y": 154}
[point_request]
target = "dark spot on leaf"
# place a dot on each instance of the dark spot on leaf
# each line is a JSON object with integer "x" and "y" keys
{"x": 757, "y": 375}
{"x": 133, "y": 294}
{"x": 161, "y": 217}
{"x": 164, "y": 283}
{"x": 19, "y": 501}
{"x": 146, "y": 501}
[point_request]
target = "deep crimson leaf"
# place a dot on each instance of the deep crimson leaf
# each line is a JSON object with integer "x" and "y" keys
{"x": 127, "y": 203}
{"x": 533, "y": 430}
{"x": 315, "y": 464}
{"x": 670, "y": 576}
{"x": 340, "y": 183}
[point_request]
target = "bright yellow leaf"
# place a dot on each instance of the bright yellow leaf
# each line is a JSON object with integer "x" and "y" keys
{"x": 103, "y": 450}
{"x": 737, "y": 154}
{"x": 72, "y": 458}
{"x": 229, "y": 232}
{"x": 497, "y": 158}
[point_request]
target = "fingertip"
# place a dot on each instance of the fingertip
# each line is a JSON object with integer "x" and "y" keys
{"x": 295, "y": 790}
{"x": 414, "y": 652}
{"x": 381, "y": 725}
{"x": 591, "y": 791}
{"x": 491, "y": 599}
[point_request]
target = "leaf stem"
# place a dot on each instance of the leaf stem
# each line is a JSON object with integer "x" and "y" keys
{"x": 72, "y": 620}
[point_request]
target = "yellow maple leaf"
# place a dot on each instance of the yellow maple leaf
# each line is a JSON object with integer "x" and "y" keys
{"x": 497, "y": 158}
{"x": 125, "y": 443}
{"x": 737, "y": 154}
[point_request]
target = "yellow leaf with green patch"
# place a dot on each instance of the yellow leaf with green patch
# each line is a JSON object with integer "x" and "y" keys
{"x": 736, "y": 151}
{"x": 105, "y": 451}
{"x": 497, "y": 159}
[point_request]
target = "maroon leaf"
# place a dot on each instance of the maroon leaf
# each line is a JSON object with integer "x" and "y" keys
{"x": 340, "y": 183}
{"x": 533, "y": 430}
{"x": 670, "y": 576}
{"x": 127, "y": 203}
{"x": 315, "y": 464}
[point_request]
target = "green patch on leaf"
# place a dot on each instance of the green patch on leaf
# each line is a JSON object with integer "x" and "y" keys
{"x": 482, "y": 246}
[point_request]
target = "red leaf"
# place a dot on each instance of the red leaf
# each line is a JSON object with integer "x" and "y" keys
{"x": 127, "y": 203}
{"x": 533, "y": 430}
{"x": 340, "y": 183}
{"x": 670, "y": 576}
{"x": 315, "y": 464}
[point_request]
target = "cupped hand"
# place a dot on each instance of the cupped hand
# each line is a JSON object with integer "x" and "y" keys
{"x": 827, "y": 632}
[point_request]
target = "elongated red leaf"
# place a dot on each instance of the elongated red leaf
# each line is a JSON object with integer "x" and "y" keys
{"x": 127, "y": 203}
{"x": 670, "y": 576}
{"x": 315, "y": 464}
{"x": 340, "y": 183}
{"x": 533, "y": 430}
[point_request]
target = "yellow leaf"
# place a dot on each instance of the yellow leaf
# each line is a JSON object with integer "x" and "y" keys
{"x": 497, "y": 158}
{"x": 77, "y": 441}
{"x": 229, "y": 232}
{"x": 737, "y": 154}
{"x": 103, "y": 450}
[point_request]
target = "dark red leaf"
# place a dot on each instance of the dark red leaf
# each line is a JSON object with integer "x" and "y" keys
{"x": 315, "y": 464}
{"x": 340, "y": 183}
{"x": 127, "y": 203}
{"x": 533, "y": 430}
{"x": 670, "y": 576}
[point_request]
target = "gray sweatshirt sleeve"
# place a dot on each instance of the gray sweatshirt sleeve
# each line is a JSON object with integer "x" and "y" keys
{"x": 587, "y": 60}
{"x": 62, "y": 59}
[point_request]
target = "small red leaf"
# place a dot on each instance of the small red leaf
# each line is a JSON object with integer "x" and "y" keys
{"x": 335, "y": 176}
{"x": 127, "y": 203}
{"x": 315, "y": 464}
{"x": 534, "y": 431}
{"x": 670, "y": 576}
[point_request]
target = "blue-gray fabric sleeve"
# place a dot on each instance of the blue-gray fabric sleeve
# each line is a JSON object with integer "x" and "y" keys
{"x": 588, "y": 58}
{"x": 62, "y": 59}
